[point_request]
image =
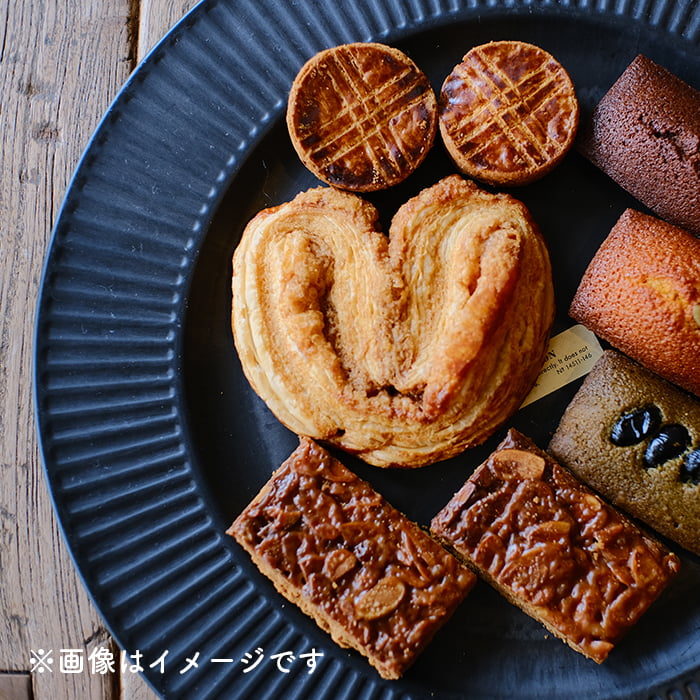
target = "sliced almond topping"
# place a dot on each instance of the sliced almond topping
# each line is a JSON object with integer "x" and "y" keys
{"x": 338, "y": 563}
{"x": 593, "y": 503}
{"x": 555, "y": 527}
{"x": 380, "y": 600}
{"x": 288, "y": 517}
{"x": 525, "y": 465}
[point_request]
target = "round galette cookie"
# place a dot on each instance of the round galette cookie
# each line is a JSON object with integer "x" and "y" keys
{"x": 362, "y": 116}
{"x": 508, "y": 113}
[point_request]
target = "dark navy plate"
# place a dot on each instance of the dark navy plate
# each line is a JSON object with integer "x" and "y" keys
{"x": 153, "y": 441}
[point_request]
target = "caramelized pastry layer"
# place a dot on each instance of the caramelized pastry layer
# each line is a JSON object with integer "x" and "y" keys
{"x": 554, "y": 548}
{"x": 333, "y": 546}
{"x": 404, "y": 350}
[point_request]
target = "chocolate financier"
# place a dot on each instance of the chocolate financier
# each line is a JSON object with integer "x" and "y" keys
{"x": 508, "y": 113}
{"x": 644, "y": 134}
{"x": 361, "y": 116}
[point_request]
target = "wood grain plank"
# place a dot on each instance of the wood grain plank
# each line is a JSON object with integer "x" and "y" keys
{"x": 61, "y": 64}
{"x": 156, "y": 18}
{"x": 15, "y": 686}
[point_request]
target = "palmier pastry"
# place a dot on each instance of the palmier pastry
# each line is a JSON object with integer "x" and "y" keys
{"x": 362, "y": 116}
{"x": 508, "y": 113}
{"x": 403, "y": 350}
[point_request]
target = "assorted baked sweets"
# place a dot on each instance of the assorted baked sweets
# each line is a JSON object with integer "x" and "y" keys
{"x": 362, "y": 116}
{"x": 554, "y": 548}
{"x": 508, "y": 113}
{"x": 409, "y": 348}
{"x": 332, "y": 545}
{"x": 641, "y": 293}
{"x": 635, "y": 438}
{"x": 644, "y": 134}
{"x": 403, "y": 350}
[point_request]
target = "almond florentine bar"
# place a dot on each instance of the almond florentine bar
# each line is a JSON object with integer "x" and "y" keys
{"x": 332, "y": 545}
{"x": 554, "y": 548}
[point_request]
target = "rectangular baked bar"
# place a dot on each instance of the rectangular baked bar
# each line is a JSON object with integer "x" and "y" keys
{"x": 366, "y": 574}
{"x": 635, "y": 438}
{"x": 554, "y": 548}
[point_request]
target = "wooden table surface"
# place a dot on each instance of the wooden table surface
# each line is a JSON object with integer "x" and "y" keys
{"x": 61, "y": 64}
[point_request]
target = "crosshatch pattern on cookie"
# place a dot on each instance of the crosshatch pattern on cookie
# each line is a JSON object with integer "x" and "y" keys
{"x": 516, "y": 106}
{"x": 362, "y": 116}
{"x": 363, "y": 119}
{"x": 508, "y": 110}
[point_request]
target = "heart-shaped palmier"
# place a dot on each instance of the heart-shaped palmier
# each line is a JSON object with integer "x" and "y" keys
{"x": 403, "y": 350}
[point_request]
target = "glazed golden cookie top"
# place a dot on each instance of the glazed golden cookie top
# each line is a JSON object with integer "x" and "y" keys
{"x": 508, "y": 113}
{"x": 361, "y": 116}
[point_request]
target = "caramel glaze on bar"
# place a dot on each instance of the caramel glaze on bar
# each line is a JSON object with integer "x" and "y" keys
{"x": 554, "y": 548}
{"x": 369, "y": 576}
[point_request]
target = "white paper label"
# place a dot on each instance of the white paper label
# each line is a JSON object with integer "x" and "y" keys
{"x": 571, "y": 354}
